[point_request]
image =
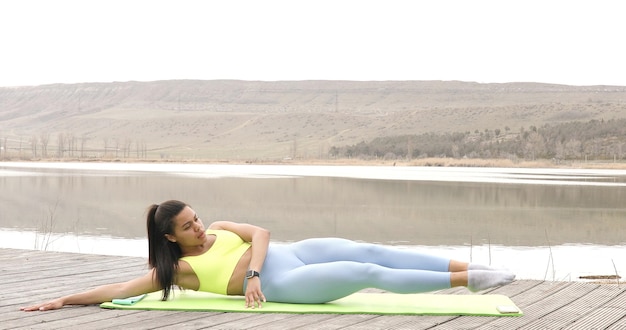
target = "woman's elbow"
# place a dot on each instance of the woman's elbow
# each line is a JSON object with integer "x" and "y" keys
{"x": 263, "y": 233}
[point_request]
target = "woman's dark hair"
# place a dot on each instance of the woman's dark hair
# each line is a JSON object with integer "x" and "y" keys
{"x": 163, "y": 255}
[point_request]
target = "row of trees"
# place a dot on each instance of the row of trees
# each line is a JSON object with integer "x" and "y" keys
{"x": 596, "y": 139}
{"x": 68, "y": 145}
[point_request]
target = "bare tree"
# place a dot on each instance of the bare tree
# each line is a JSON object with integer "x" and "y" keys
{"x": 573, "y": 149}
{"x": 70, "y": 140}
{"x": 144, "y": 149}
{"x": 106, "y": 146}
{"x": 33, "y": 145}
{"x": 559, "y": 150}
{"x": 20, "y": 148}
{"x": 60, "y": 145}
{"x": 535, "y": 146}
{"x": 294, "y": 148}
{"x": 117, "y": 147}
{"x": 44, "y": 138}
{"x": 127, "y": 144}
{"x": 83, "y": 141}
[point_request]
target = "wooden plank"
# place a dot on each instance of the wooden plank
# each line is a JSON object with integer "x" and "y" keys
{"x": 59, "y": 319}
{"x": 147, "y": 320}
{"x": 535, "y": 313}
{"x": 258, "y": 321}
{"x": 176, "y": 320}
{"x": 611, "y": 314}
{"x": 42, "y": 289}
{"x": 66, "y": 266}
{"x": 201, "y": 321}
{"x": 341, "y": 321}
{"x": 301, "y": 321}
{"x": 572, "y": 305}
{"x": 42, "y": 279}
{"x": 575, "y": 310}
{"x": 402, "y": 322}
{"x": 618, "y": 325}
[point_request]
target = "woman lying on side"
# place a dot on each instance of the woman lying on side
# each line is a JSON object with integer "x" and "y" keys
{"x": 237, "y": 259}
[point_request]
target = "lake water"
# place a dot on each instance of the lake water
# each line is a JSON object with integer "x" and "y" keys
{"x": 554, "y": 224}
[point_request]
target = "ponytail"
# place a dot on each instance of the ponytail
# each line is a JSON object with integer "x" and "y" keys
{"x": 163, "y": 255}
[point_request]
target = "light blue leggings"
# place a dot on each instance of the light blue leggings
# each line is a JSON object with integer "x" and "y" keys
{"x": 324, "y": 269}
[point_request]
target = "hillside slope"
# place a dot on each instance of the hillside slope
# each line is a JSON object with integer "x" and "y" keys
{"x": 225, "y": 119}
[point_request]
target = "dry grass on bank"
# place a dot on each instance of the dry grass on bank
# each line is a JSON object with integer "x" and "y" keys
{"x": 427, "y": 162}
{"x": 453, "y": 162}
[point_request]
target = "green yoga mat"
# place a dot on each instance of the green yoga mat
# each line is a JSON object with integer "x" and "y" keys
{"x": 357, "y": 303}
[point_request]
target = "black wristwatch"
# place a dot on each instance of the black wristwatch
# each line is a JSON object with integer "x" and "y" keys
{"x": 252, "y": 273}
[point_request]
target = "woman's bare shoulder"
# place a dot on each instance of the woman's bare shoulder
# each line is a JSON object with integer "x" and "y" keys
{"x": 184, "y": 267}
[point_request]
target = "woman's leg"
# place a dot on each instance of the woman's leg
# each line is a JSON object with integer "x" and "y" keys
{"x": 322, "y": 270}
{"x": 321, "y": 250}
{"x": 326, "y": 269}
{"x": 328, "y": 281}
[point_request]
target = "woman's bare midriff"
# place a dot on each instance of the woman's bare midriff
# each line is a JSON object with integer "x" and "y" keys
{"x": 235, "y": 285}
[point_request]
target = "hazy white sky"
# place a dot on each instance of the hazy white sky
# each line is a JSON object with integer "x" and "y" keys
{"x": 570, "y": 42}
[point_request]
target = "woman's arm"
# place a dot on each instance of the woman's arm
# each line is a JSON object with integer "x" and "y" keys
{"x": 140, "y": 285}
{"x": 259, "y": 239}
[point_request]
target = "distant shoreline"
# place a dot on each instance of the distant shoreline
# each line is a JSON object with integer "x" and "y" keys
{"x": 425, "y": 162}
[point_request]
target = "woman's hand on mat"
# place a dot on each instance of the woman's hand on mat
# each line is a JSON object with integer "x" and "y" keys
{"x": 254, "y": 295}
{"x": 50, "y": 305}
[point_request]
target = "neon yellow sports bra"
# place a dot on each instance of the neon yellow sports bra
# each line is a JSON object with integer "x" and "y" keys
{"x": 215, "y": 267}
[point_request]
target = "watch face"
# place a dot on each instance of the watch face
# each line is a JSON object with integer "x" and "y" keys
{"x": 251, "y": 274}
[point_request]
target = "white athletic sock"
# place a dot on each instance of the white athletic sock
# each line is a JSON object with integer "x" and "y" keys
{"x": 478, "y": 280}
{"x": 473, "y": 266}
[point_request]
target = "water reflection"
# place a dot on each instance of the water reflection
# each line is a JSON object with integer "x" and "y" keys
{"x": 463, "y": 213}
{"x": 407, "y": 212}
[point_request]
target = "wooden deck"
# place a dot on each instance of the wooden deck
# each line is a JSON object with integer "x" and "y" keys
{"x": 28, "y": 277}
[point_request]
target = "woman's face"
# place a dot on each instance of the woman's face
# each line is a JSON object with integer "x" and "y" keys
{"x": 188, "y": 229}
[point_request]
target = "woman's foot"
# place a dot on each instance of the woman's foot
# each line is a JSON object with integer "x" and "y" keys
{"x": 478, "y": 280}
{"x": 473, "y": 266}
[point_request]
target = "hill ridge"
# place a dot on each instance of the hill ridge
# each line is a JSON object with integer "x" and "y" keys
{"x": 234, "y": 119}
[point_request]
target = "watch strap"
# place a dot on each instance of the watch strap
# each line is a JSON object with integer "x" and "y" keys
{"x": 252, "y": 273}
